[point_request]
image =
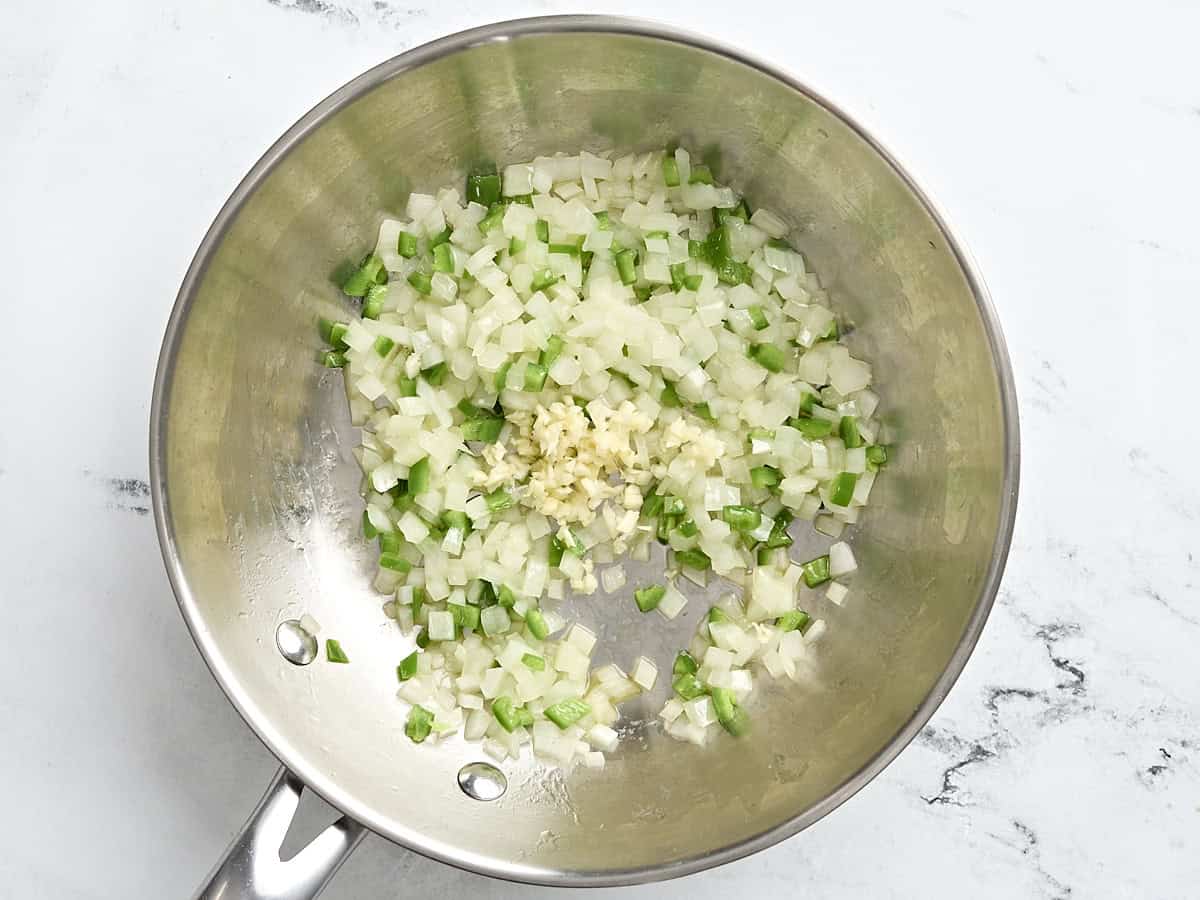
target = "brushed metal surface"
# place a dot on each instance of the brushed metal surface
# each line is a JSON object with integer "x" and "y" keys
{"x": 255, "y": 491}
{"x": 252, "y": 868}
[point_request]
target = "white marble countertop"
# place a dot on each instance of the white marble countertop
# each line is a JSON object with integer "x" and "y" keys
{"x": 1063, "y": 139}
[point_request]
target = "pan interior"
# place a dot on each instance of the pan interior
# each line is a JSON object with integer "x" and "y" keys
{"x": 259, "y": 496}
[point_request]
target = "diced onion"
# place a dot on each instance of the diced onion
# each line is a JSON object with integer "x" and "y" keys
{"x": 536, "y": 390}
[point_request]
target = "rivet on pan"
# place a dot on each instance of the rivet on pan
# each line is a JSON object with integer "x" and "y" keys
{"x": 295, "y": 642}
{"x": 482, "y": 781}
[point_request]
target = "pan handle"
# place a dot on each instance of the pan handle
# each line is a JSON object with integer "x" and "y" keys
{"x": 251, "y": 868}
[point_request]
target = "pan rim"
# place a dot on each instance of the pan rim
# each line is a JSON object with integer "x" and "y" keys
{"x": 260, "y": 722}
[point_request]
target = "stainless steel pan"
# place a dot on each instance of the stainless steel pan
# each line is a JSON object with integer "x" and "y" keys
{"x": 255, "y": 494}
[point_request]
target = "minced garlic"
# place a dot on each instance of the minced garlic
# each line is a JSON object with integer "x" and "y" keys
{"x": 573, "y": 465}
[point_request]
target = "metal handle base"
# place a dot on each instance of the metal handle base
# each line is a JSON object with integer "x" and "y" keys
{"x": 251, "y": 868}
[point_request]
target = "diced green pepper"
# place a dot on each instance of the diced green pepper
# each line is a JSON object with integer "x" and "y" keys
{"x": 536, "y": 623}
{"x": 443, "y": 259}
{"x": 841, "y": 492}
{"x": 716, "y": 614}
{"x": 793, "y": 620}
{"x": 626, "y": 266}
{"x": 649, "y": 597}
{"x": 495, "y": 215}
{"x": 731, "y": 716}
{"x": 408, "y": 667}
{"x": 421, "y": 282}
{"x": 678, "y": 273}
{"x": 325, "y": 329}
{"x": 373, "y": 301}
{"x": 665, "y": 525}
{"x": 685, "y": 664}
{"x": 566, "y": 713}
{"x": 768, "y": 356}
{"x": 483, "y": 187}
{"x": 816, "y": 571}
{"x": 693, "y": 559}
{"x": 406, "y": 245}
{"x": 723, "y": 702}
{"x": 419, "y": 724}
{"x": 418, "y": 477}
{"x": 499, "y": 499}
{"x": 733, "y": 272}
{"x": 572, "y": 544}
{"x": 465, "y": 615}
{"x": 390, "y": 542}
{"x": 848, "y": 428}
{"x": 535, "y": 377}
{"x": 542, "y": 279}
{"x": 454, "y": 518}
{"x": 394, "y": 563}
{"x": 436, "y": 374}
{"x": 688, "y": 686}
{"x": 505, "y": 713}
{"x": 554, "y": 349}
{"x": 715, "y": 248}
{"x": 764, "y": 476}
{"x": 738, "y": 724}
{"x": 812, "y": 428}
{"x": 369, "y": 272}
{"x": 502, "y": 375}
{"x": 670, "y": 170}
{"x": 420, "y": 598}
{"x": 485, "y": 429}
{"x": 779, "y": 533}
{"x": 334, "y": 652}
{"x": 741, "y": 518}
